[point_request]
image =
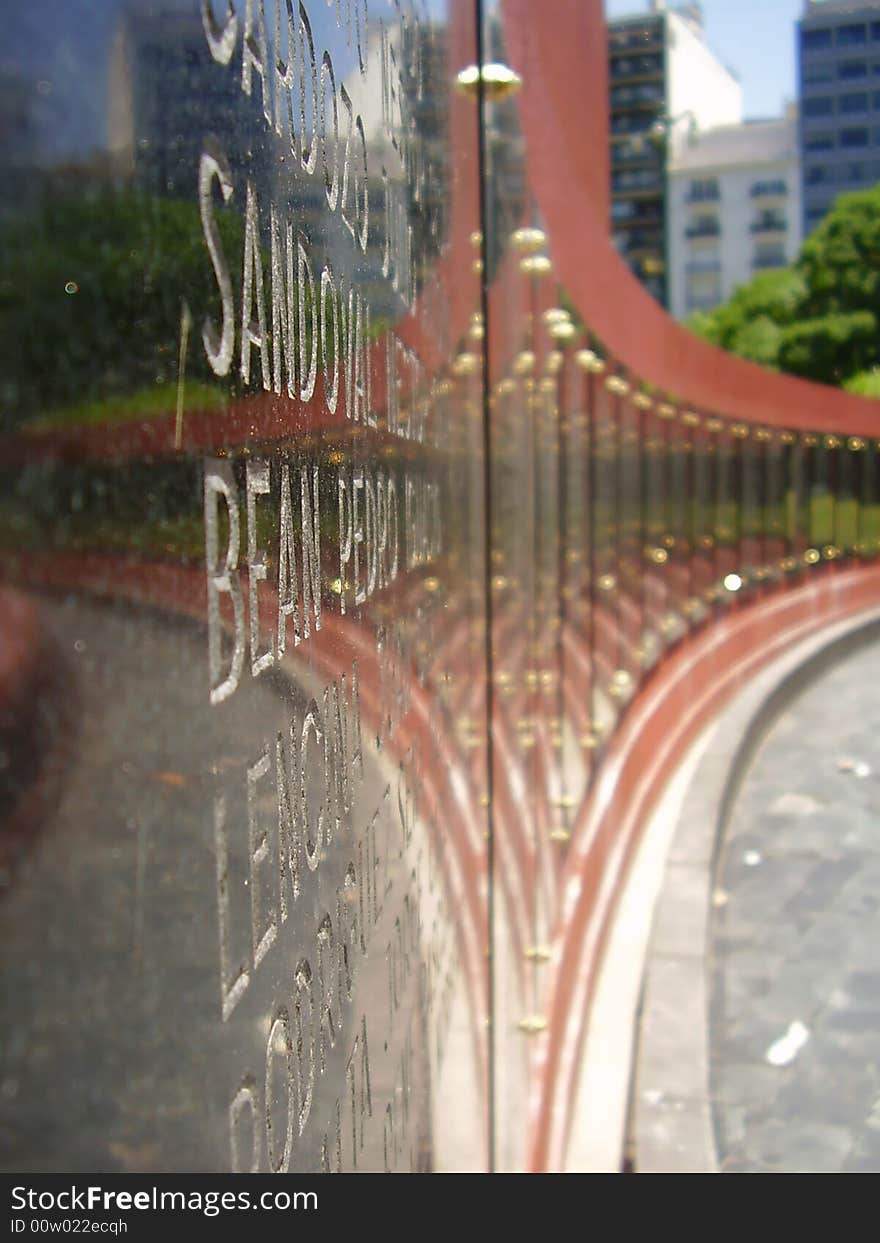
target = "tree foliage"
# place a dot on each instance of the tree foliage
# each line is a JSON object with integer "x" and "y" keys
{"x": 91, "y": 288}
{"x": 819, "y": 318}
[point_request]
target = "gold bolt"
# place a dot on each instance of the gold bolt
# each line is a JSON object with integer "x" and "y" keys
{"x": 528, "y": 240}
{"x": 535, "y": 265}
{"x": 588, "y": 361}
{"x": 498, "y": 81}
{"x": 532, "y": 1025}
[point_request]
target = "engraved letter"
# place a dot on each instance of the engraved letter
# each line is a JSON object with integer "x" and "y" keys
{"x": 244, "y": 1100}
{"x": 308, "y": 357}
{"x": 257, "y": 485}
{"x": 221, "y": 42}
{"x": 331, "y": 184}
{"x": 232, "y": 988}
{"x": 329, "y": 340}
{"x": 311, "y": 551}
{"x": 219, "y": 482}
{"x": 288, "y": 580}
{"x": 252, "y": 286}
{"x": 345, "y": 539}
{"x": 218, "y": 349}
{"x": 309, "y": 161}
{"x": 283, "y": 332}
{"x": 263, "y": 932}
{"x": 312, "y": 839}
{"x": 280, "y": 1042}
{"x": 305, "y": 1040}
{"x": 255, "y": 54}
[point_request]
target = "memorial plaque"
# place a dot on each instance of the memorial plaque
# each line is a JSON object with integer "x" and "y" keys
{"x": 243, "y": 743}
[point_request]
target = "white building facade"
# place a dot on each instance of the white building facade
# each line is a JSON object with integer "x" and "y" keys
{"x": 734, "y": 209}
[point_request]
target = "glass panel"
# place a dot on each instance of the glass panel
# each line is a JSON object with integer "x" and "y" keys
{"x": 244, "y": 906}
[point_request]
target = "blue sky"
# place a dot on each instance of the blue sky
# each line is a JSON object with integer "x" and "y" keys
{"x": 753, "y": 37}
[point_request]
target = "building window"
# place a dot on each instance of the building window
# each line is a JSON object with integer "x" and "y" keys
{"x": 818, "y": 174}
{"x": 814, "y": 74}
{"x": 875, "y": 31}
{"x": 764, "y": 189}
{"x": 854, "y": 138}
{"x": 820, "y": 106}
{"x": 704, "y": 191}
{"x": 706, "y": 259}
{"x": 852, "y": 69}
{"x": 768, "y": 221}
{"x": 856, "y": 102}
{"x": 819, "y": 142}
{"x": 857, "y": 172}
{"x": 848, "y": 36}
{"x": 815, "y": 40}
{"x": 769, "y": 257}
{"x": 703, "y": 226}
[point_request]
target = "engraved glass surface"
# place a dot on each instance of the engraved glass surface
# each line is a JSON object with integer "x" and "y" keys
{"x": 243, "y": 907}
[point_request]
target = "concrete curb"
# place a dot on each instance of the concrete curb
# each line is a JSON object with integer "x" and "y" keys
{"x": 671, "y": 1124}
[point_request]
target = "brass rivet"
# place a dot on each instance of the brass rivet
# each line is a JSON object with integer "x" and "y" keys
{"x": 499, "y": 81}
{"x": 535, "y": 265}
{"x": 589, "y": 361}
{"x": 528, "y": 240}
{"x": 563, "y": 330}
{"x": 532, "y": 1025}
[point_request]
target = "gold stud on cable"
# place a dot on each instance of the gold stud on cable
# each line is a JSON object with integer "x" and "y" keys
{"x": 528, "y": 240}
{"x": 498, "y": 81}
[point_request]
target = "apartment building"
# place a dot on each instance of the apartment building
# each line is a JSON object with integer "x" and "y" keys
{"x": 838, "y": 44}
{"x": 734, "y": 209}
{"x": 664, "y": 81}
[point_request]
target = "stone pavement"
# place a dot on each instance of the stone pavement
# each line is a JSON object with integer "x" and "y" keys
{"x": 795, "y": 942}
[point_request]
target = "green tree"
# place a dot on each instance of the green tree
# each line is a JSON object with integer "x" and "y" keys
{"x": 819, "y": 318}
{"x": 91, "y": 287}
{"x": 751, "y": 323}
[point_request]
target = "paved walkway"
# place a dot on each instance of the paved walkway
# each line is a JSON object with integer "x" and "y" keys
{"x": 795, "y": 994}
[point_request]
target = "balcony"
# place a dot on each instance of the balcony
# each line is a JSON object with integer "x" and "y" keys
{"x": 762, "y": 262}
{"x": 636, "y": 67}
{"x": 768, "y": 189}
{"x": 769, "y": 224}
{"x": 705, "y": 267}
{"x": 701, "y": 229}
{"x": 709, "y": 194}
{"x": 639, "y": 41}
